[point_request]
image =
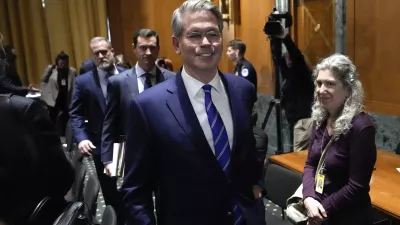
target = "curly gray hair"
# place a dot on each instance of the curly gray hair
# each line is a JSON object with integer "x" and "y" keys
{"x": 194, "y": 6}
{"x": 344, "y": 70}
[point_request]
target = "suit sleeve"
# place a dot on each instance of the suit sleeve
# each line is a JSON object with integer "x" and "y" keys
{"x": 138, "y": 183}
{"x": 361, "y": 164}
{"x": 55, "y": 162}
{"x": 7, "y": 86}
{"x": 309, "y": 170}
{"x": 77, "y": 114}
{"x": 111, "y": 122}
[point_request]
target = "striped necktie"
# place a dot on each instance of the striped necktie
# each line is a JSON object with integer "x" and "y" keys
{"x": 221, "y": 144}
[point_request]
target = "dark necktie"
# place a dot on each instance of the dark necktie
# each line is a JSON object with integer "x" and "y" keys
{"x": 221, "y": 145}
{"x": 104, "y": 85}
{"x": 147, "y": 82}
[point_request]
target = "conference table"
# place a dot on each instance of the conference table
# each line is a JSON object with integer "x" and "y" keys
{"x": 385, "y": 181}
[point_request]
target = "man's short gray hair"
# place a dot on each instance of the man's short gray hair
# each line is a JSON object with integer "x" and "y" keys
{"x": 99, "y": 39}
{"x": 194, "y": 6}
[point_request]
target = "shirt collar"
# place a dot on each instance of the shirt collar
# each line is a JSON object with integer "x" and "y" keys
{"x": 193, "y": 85}
{"x": 102, "y": 72}
{"x": 140, "y": 72}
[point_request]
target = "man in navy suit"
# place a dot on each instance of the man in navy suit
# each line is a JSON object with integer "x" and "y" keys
{"x": 87, "y": 66}
{"x": 190, "y": 139}
{"x": 123, "y": 87}
{"x": 89, "y": 102}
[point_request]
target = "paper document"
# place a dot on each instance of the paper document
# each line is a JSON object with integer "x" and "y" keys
{"x": 33, "y": 95}
{"x": 398, "y": 169}
{"x": 118, "y": 163}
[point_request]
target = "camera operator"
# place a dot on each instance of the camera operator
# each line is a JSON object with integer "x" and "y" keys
{"x": 297, "y": 91}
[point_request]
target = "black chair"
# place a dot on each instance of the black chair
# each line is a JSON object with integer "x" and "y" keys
{"x": 261, "y": 139}
{"x": 47, "y": 211}
{"x": 92, "y": 189}
{"x": 69, "y": 138}
{"x": 280, "y": 184}
{"x": 397, "y": 150}
{"x": 77, "y": 186}
{"x": 109, "y": 216}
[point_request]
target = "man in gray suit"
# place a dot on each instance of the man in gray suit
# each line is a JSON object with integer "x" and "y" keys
{"x": 122, "y": 88}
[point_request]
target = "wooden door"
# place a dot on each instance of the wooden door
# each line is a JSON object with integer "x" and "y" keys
{"x": 314, "y": 28}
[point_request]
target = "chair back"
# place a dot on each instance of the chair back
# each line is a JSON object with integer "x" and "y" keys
{"x": 280, "y": 183}
{"x": 77, "y": 186}
{"x": 92, "y": 189}
{"x": 109, "y": 216}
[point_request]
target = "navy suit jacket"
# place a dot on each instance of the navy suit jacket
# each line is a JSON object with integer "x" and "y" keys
{"x": 87, "y": 66}
{"x": 88, "y": 102}
{"x": 121, "y": 89}
{"x": 167, "y": 153}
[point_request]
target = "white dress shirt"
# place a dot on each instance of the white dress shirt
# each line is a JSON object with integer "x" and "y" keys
{"x": 141, "y": 79}
{"x": 220, "y": 100}
{"x": 103, "y": 80}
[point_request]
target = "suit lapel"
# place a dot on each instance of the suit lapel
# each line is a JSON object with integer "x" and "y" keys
{"x": 235, "y": 105}
{"x": 131, "y": 82}
{"x": 180, "y": 105}
{"x": 97, "y": 90}
{"x": 159, "y": 75}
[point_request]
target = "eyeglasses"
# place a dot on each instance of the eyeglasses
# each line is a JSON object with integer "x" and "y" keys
{"x": 197, "y": 37}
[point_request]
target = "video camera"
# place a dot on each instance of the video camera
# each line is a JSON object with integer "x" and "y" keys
{"x": 273, "y": 25}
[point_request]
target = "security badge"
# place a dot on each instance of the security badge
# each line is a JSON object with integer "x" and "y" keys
{"x": 63, "y": 82}
{"x": 319, "y": 185}
{"x": 245, "y": 72}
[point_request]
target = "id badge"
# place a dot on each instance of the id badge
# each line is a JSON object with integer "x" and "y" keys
{"x": 319, "y": 186}
{"x": 63, "y": 82}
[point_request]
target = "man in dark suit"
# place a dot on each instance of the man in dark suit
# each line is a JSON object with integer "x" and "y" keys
{"x": 125, "y": 86}
{"x": 89, "y": 102}
{"x": 190, "y": 138}
{"x": 87, "y": 66}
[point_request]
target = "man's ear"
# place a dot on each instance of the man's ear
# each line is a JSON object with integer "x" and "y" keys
{"x": 133, "y": 46}
{"x": 176, "y": 44}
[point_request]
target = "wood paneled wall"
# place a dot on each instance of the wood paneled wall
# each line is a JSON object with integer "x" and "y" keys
{"x": 127, "y": 16}
{"x": 253, "y": 16}
{"x": 315, "y": 29}
{"x": 372, "y": 42}
{"x": 371, "y": 38}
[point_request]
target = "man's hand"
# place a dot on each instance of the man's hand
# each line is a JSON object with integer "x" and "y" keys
{"x": 85, "y": 147}
{"x": 283, "y": 33}
{"x": 257, "y": 191}
{"x": 108, "y": 169}
{"x": 31, "y": 88}
{"x": 316, "y": 213}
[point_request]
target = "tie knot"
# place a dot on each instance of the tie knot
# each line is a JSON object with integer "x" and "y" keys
{"x": 207, "y": 88}
{"x": 148, "y": 75}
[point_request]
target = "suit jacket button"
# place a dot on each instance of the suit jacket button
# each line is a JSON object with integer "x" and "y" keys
{"x": 229, "y": 214}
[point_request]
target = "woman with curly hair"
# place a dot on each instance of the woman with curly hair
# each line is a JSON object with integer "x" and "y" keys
{"x": 341, "y": 195}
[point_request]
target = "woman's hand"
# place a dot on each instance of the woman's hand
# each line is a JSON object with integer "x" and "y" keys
{"x": 316, "y": 213}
